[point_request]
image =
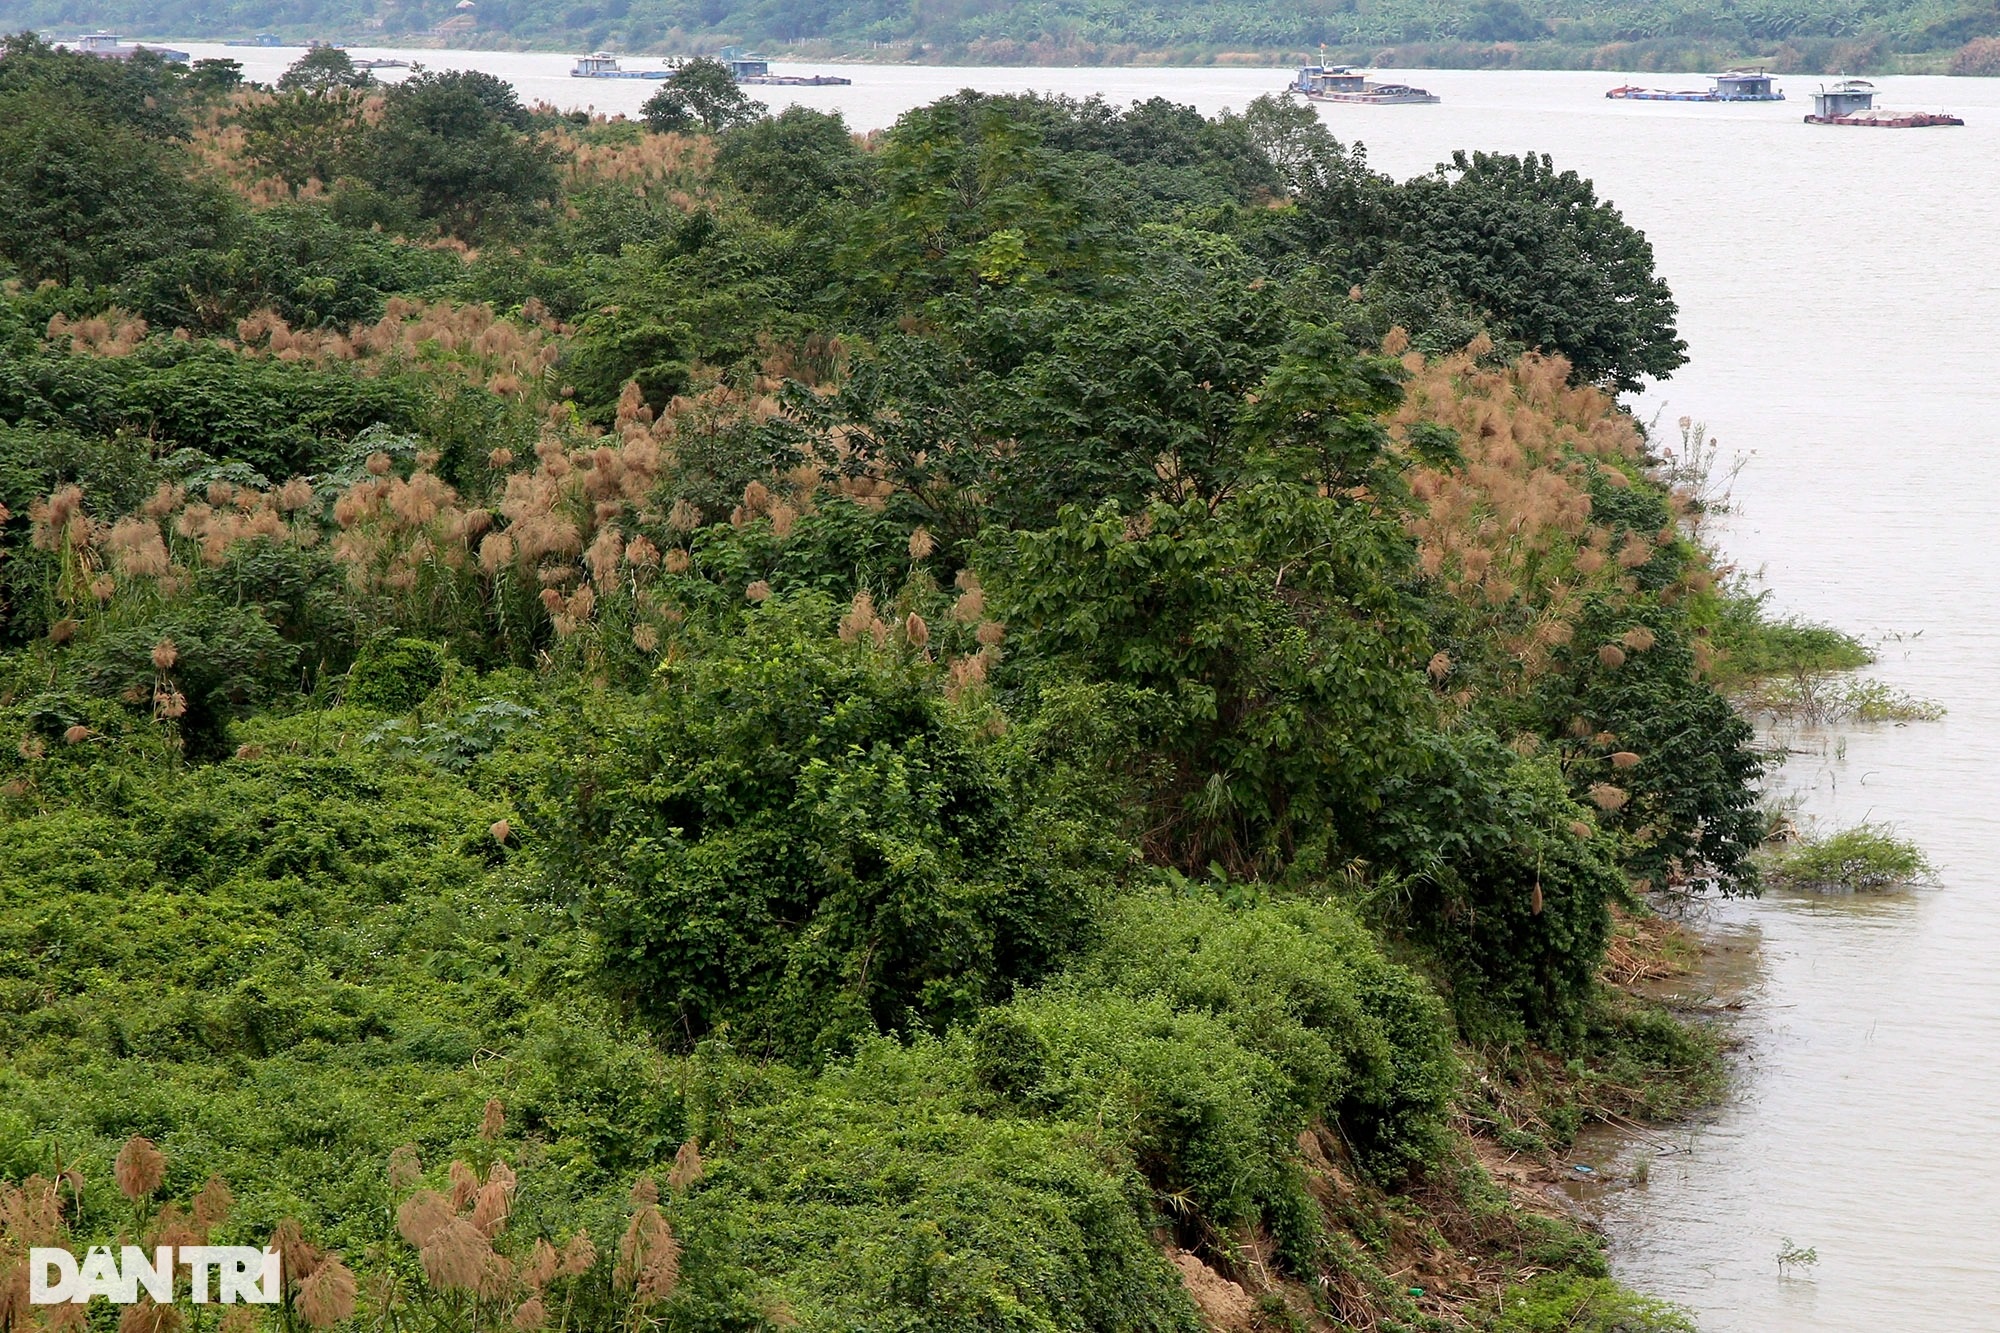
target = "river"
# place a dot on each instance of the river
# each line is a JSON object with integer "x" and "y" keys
{"x": 1840, "y": 296}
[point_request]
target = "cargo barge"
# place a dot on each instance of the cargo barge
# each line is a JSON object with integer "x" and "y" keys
{"x": 1852, "y": 102}
{"x": 107, "y": 46}
{"x": 1738, "y": 85}
{"x": 755, "y": 69}
{"x": 1340, "y": 83}
{"x": 603, "y": 65}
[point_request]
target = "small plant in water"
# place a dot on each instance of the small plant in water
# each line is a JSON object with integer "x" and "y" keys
{"x": 1866, "y": 858}
{"x": 1792, "y": 1255}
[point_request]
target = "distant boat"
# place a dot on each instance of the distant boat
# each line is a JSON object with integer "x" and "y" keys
{"x": 602, "y": 65}
{"x": 1852, "y": 102}
{"x": 1737, "y": 85}
{"x": 261, "y": 39}
{"x": 381, "y": 63}
{"x": 107, "y": 46}
{"x": 746, "y": 67}
{"x": 1340, "y": 83}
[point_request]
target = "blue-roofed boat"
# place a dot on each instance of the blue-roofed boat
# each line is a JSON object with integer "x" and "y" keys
{"x": 604, "y": 65}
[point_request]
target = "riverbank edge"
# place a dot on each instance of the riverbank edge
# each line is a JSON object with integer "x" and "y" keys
{"x": 1694, "y": 57}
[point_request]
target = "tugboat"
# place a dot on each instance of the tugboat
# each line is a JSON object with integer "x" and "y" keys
{"x": 1738, "y": 85}
{"x": 107, "y": 46}
{"x": 1852, "y": 102}
{"x": 603, "y": 65}
{"x": 1340, "y": 83}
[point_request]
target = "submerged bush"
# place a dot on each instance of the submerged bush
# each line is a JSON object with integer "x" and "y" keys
{"x": 1561, "y": 1303}
{"x": 1863, "y": 859}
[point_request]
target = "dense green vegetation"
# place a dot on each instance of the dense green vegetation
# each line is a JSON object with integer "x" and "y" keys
{"x": 1826, "y": 36}
{"x": 964, "y": 732}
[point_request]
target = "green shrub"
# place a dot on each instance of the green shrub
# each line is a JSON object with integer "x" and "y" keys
{"x": 224, "y": 661}
{"x": 1496, "y": 873}
{"x": 395, "y": 675}
{"x": 803, "y": 839}
{"x": 1358, "y": 1041}
{"x": 1863, "y": 859}
{"x": 1561, "y": 1303}
{"x": 873, "y": 1198}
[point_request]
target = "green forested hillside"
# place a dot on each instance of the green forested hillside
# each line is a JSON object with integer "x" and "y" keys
{"x": 1039, "y": 723}
{"x": 1798, "y": 34}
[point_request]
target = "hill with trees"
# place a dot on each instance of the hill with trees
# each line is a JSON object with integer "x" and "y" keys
{"x": 1041, "y": 721}
{"x": 1811, "y": 36}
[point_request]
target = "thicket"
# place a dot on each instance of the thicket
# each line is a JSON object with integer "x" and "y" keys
{"x": 938, "y": 729}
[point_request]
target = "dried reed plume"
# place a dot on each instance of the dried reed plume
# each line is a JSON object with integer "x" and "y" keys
{"x": 422, "y": 1216}
{"x": 213, "y": 1203}
{"x": 1607, "y": 797}
{"x": 542, "y": 1266}
{"x": 1624, "y": 759}
{"x": 165, "y": 654}
{"x": 922, "y": 544}
{"x": 494, "y": 1118}
{"x": 464, "y": 1185}
{"x": 456, "y": 1256}
{"x": 1611, "y": 655}
{"x": 77, "y": 735}
{"x": 491, "y": 1208}
{"x": 861, "y": 621}
{"x": 687, "y": 1166}
{"x": 146, "y": 1317}
{"x": 916, "y": 631}
{"x": 298, "y": 1258}
{"x": 758, "y": 591}
{"x": 579, "y": 1255}
{"x": 649, "y": 1257}
{"x": 326, "y": 1296}
{"x": 140, "y": 1168}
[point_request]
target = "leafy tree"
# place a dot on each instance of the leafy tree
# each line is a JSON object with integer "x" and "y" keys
{"x": 1554, "y": 267}
{"x": 215, "y": 76}
{"x": 143, "y": 93}
{"x": 1270, "y": 653}
{"x": 972, "y": 199}
{"x": 791, "y": 164}
{"x": 701, "y": 94}
{"x": 452, "y": 147}
{"x": 308, "y": 135}
{"x": 84, "y": 198}
{"x": 224, "y": 661}
{"x": 322, "y": 70}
